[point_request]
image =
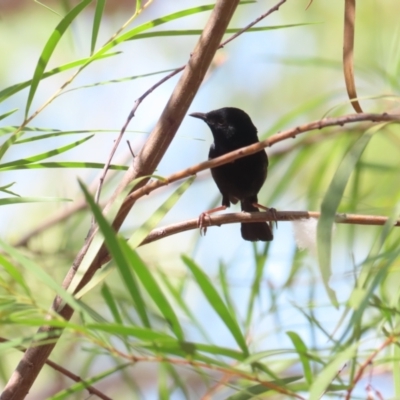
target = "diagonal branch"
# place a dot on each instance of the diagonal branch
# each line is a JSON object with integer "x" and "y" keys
{"x": 69, "y": 374}
{"x": 254, "y": 148}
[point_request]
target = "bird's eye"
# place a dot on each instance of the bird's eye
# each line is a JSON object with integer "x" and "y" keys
{"x": 219, "y": 122}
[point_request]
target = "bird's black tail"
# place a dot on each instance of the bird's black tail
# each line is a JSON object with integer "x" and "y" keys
{"x": 254, "y": 231}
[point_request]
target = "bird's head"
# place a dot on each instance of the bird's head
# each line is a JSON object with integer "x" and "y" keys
{"x": 229, "y": 124}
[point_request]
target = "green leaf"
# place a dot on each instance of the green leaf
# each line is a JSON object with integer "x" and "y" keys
{"x": 65, "y": 164}
{"x": 153, "y": 289}
{"x": 216, "y": 302}
{"x": 23, "y": 341}
{"x": 5, "y": 189}
{"x": 220, "y": 351}
{"x": 5, "y": 115}
{"x": 163, "y": 390}
{"x": 96, "y": 23}
{"x": 178, "y": 380}
{"x": 114, "y": 247}
{"x": 254, "y": 391}
{"x": 257, "y": 281}
{"x": 50, "y": 47}
{"x": 360, "y": 297}
{"x": 151, "y": 24}
{"x": 45, "y": 155}
{"x": 4, "y": 130}
{"x": 120, "y": 80}
{"x": 15, "y": 275}
{"x": 39, "y": 272}
{"x": 144, "y": 334}
{"x": 180, "y": 301}
{"x": 225, "y": 288}
{"x": 327, "y": 375}
{"x": 9, "y": 91}
{"x": 17, "y": 200}
{"x": 191, "y": 32}
{"x": 330, "y": 204}
{"x": 302, "y": 351}
{"x": 112, "y": 305}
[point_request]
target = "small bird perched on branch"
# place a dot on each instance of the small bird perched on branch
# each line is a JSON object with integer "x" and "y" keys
{"x": 242, "y": 179}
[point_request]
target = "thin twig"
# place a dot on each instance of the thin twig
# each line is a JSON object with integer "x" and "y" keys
{"x": 130, "y": 149}
{"x": 256, "y": 21}
{"x": 65, "y": 372}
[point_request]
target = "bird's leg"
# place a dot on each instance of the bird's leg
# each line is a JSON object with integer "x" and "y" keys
{"x": 270, "y": 210}
{"x": 206, "y": 214}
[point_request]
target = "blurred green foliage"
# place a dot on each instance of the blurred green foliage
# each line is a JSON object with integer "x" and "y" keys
{"x": 191, "y": 316}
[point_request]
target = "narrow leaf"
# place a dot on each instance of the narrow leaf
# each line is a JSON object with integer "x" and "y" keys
{"x": 191, "y": 32}
{"x": 112, "y": 305}
{"x": 65, "y": 164}
{"x": 153, "y": 289}
{"x": 6, "y": 189}
{"x": 330, "y": 204}
{"x": 129, "y": 78}
{"x": 151, "y": 24}
{"x": 39, "y": 272}
{"x": 216, "y": 302}
{"x": 144, "y": 334}
{"x": 5, "y": 115}
{"x": 50, "y": 47}
{"x": 113, "y": 245}
{"x": 254, "y": 391}
{"x": 96, "y": 23}
{"x": 45, "y": 155}
{"x": 9, "y": 91}
{"x": 302, "y": 351}
{"x": 18, "y": 200}
{"x": 326, "y": 376}
{"x": 15, "y": 274}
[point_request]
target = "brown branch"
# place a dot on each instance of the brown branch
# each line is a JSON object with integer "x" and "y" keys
{"x": 65, "y": 372}
{"x": 348, "y": 53}
{"x": 231, "y": 218}
{"x": 144, "y": 164}
{"x": 245, "y": 151}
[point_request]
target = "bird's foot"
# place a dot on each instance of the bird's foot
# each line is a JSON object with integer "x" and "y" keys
{"x": 202, "y": 223}
{"x": 271, "y": 210}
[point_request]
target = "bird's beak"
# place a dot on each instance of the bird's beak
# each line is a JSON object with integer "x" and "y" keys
{"x": 199, "y": 115}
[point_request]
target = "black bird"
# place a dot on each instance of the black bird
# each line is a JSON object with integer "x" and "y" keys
{"x": 242, "y": 179}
